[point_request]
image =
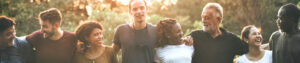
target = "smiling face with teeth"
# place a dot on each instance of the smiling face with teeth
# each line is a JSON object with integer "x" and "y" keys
{"x": 95, "y": 37}
{"x": 210, "y": 20}
{"x": 254, "y": 37}
{"x": 138, "y": 10}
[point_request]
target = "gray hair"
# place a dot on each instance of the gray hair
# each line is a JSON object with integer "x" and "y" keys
{"x": 218, "y": 8}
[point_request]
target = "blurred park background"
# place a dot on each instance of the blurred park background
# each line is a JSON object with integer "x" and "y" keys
{"x": 111, "y": 13}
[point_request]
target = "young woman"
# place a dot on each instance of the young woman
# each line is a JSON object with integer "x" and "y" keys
{"x": 170, "y": 47}
{"x": 90, "y": 48}
{"x": 256, "y": 54}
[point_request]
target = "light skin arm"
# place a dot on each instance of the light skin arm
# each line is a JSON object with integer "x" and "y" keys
{"x": 188, "y": 40}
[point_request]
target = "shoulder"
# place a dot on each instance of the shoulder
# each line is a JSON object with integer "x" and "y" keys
{"x": 122, "y": 26}
{"x": 34, "y": 34}
{"x": 228, "y": 34}
{"x": 151, "y": 26}
{"x": 196, "y": 32}
{"x": 20, "y": 41}
{"x": 268, "y": 52}
{"x": 109, "y": 49}
{"x": 275, "y": 34}
{"x": 69, "y": 33}
{"x": 241, "y": 59}
{"x": 23, "y": 45}
{"x": 267, "y": 56}
{"x": 231, "y": 36}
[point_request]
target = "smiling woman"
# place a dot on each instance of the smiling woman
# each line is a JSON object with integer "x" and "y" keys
{"x": 90, "y": 48}
{"x": 256, "y": 54}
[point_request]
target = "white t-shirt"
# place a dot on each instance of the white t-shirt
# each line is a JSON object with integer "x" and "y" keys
{"x": 267, "y": 58}
{"x": 175, "y": 54}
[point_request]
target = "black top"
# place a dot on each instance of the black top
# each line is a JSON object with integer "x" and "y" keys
{"x": 221, "y": 49}
{"x": 137, "y": 45}
{"x": 286, "y": 48}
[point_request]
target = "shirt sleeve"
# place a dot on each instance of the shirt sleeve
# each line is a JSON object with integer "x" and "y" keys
{"x": 32, "y": 38}
{"x": 239, "y": 60}
{"x": 242, "y": 47}
{"x": 273, "y": 39}
{"x": 116, "y": 39}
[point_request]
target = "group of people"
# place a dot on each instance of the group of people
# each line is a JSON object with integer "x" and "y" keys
{"x": 141, "y": 42}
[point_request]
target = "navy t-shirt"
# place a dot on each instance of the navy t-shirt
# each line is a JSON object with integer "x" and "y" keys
{"x": 20, "y": 52}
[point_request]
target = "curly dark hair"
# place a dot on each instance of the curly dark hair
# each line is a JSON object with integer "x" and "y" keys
{"x": 246, "y": 31}
{"x": 84, "y": 30}
{"x": 6, "y": 23}
{"x": 164, "y": 27}
{"x": 51, "y": 15}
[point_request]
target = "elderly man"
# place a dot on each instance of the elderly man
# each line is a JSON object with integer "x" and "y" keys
{"x": 214, "y": 44}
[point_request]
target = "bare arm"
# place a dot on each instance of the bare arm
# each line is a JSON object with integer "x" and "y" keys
{"x": 188, "y": 40}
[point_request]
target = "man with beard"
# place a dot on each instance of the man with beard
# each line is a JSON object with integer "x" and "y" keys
{"x": 214, "y": 44}
{"x": 52, "y": 44}
{"x": 12, "y": 49}
{"x": 136, "y": 40}
{"x": 286, "y": 41}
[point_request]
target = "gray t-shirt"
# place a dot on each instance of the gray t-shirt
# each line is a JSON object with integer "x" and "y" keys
{"x": 137, "y": 45}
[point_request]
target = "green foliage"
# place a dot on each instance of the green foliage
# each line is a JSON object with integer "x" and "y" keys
{"x": 110, "y": 20}
{"x": 26, "y": 13}
{"x": 237, "y": 13}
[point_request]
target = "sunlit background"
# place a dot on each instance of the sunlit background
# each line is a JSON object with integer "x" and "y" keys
{"x": 111, "y": 13}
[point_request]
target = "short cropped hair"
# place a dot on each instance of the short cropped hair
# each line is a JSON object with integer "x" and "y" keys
{"x": 51, "y": 15}
{"x": 290, "y": 11}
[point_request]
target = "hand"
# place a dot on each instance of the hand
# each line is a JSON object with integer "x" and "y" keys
{"x": 188, "y": 40}
{"x": 265, "y": 46}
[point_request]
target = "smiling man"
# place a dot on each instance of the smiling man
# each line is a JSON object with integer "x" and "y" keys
{"x": 136, "y": 40}
{"x": 286, "y": 41}
{"x": 12, "y": 49}
{"x": 52, "y": 44}
{"x": 214, "y": 44}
